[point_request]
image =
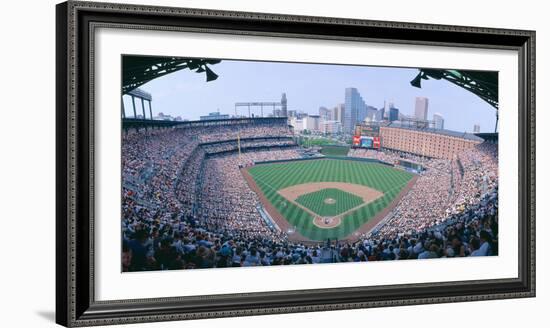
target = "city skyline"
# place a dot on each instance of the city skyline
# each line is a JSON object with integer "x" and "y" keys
{"x": 309, "y": 87}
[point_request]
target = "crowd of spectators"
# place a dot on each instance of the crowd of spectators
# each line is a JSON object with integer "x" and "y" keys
{"x": 233, "y": 145}
{"x": 227, "y": 204}
{"x": 245, "y": 131}
{"x": 444, "y": 187}
{"x": 186, "y": 204}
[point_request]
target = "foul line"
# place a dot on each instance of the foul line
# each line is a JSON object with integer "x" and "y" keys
{"x": 265, "y": 183}
{"x": 340, "y": 216}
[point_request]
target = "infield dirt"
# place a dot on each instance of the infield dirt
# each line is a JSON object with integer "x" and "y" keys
{"x": 294, "y": 192}
{"x": 369, "y": 195}
{"x": 366, "y": 193}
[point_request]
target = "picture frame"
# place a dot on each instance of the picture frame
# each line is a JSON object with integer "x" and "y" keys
{"x": 77, "y": 22}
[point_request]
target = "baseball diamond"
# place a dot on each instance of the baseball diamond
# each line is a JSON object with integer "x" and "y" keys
{"x": 329, "y": 202}
{"x": 328, "y": 198}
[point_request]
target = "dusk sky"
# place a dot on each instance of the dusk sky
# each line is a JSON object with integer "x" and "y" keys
{"x": 309, "y": 86}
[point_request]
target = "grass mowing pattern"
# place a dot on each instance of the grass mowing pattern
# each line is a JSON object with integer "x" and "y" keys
{"x": 273, "y": 177}
{"x": 315, "y": 201}
{"x": 334, "y": 150}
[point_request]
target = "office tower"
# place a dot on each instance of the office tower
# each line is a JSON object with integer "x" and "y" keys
{"x": 325, "y": 113}
{"x": 297, "y": 124}
{"x": 421, "y": 108}
{"x": 476, "y": 128}
{"x": 355, "y": 109}
{"x": 387, "y": 106}
{"x": 311, "y": 122}
{"x": 371, "y": 112}
{"x": 439, "y": 122}
{"x": 283, "y": 105}
{"x": 394, "y": 114}
{"x": 331, "y": 127}
{"x": 338, "y": 113}
{"x": 379, "y": 116}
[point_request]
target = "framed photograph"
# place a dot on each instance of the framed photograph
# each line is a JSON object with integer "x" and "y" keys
{"x": 215, "y": 163}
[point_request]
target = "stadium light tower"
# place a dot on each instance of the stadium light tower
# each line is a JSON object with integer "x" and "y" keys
{"x": 278, "y": 107}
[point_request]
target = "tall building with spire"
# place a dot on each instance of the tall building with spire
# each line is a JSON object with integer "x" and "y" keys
{"x": 283, "y": 105}
{"x": 388, "y": 105}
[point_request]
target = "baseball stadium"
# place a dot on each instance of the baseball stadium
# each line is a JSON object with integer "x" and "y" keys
{"x": 243, "y": 190}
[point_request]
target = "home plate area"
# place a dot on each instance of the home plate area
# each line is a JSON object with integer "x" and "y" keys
{"x": 329, "y": 202}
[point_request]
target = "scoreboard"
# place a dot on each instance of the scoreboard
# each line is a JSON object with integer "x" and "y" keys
{"x": 366, "y": 142}
{"x": 371, "y": 129}
{"x": 367, "y": 135}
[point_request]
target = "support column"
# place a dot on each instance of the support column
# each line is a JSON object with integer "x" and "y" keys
{"x": 150, "y": 110}
{"x": 143, "y": 107}
{"x": 122, "y": 107}
{"x": 134, "y": 106}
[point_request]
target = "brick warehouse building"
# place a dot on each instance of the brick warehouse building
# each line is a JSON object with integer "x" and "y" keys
{"x": 428, "y": 142}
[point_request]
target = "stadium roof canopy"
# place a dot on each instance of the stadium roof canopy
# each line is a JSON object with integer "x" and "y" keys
{"x": 137, "y": 92}
{"x": 450, "y": 133}
{"x": 484, "y": 84}
{"x": 138, "y": 70}
{"x": 492, "y": 137}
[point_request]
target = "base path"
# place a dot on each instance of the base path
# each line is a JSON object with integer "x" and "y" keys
{"x": 280, "y": 221}
{"x": 294, "y": 192}
{"x": 366, "y": 193}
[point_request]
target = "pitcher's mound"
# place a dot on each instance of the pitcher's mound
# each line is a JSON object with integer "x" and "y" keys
{"x": 330, "y": 201}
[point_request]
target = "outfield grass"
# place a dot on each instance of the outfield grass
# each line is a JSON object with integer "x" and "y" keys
{"x": 315, "y": 201}
{"x": 273, "y": 177}
{"x": 335, "y": 150}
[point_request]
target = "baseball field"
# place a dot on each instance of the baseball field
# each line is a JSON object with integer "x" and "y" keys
{"x": 328, "y": 198}
{"x": 331, "y": 150}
